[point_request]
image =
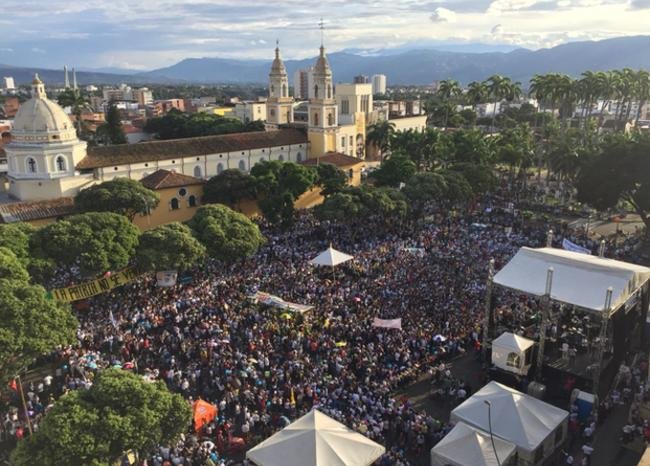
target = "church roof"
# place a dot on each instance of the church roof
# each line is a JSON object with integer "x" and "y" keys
{"x": 161, "y": 179}
{"x": 107, "y": 156}
{"x": 277, "y": 68}
{"x": 36, "y": 210}
{"x": 322, "y": 67}
{"x": 335, "y": 158}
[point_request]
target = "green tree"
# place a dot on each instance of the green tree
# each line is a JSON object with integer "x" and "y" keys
{"x": 357, "y": 204}
{"x": 15, "y": 237}
{"x": 398, "y": 168}
{"x": 111, "y": 132}
{"x": 331, "y": 178}
{"x": 458, "y": 189}
{"x": 30, "y": 326}
{"x": 229, "y": 187}
{"x": 120, "y": 195}
{"x": 177, "y": 125}
{"x": 96, "y": 242}
{"x": 168, "y": 247}
{"x": 447, "y": 91}
{"x": 380, "y": 134}
{"x": 480, "y": 177}
{"x": 278, "y": 209}
{"x": 423, "y": 188}
{"x": 227, "y": 235}
{"x": 11, "y": 268}
{"x": 120, "y": 412}
{"x": 620, "y": 173}
{"x": 74, "y": 99}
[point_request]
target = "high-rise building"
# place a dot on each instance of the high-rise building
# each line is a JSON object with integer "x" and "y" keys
{"x": 143, "y": 96}
{"x": 302, "y": 83}
{"x": 379, "y": 84}
{"x": 8, "y": 83}
{"x": 361, "y": 79}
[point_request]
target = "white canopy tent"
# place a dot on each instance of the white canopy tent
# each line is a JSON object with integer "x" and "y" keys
{"x": 511, "y": 352}
{"x": 578, "y": 279}
{"x": 530, "y": 424}
{"x": 331, "y": 257}
{"x": 316, "y": 440}
{"x": 467, "y": 446}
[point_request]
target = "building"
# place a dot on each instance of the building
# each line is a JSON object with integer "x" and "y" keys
{"x": 361, "y": 79}
{"x": 143, "y": 96}
{"x": 302, "y": 83}
{"x": 10, "y": 107}
{"x": 249, "y": 110}
{"x": 162, "y": 107}
{"x": 379, "y": 84}
{"x": 44, "y": 151}
{"x": 279, "y": 106}
{"x": 8, "y": 84}
{"x": 123, "y": 92}
{"x": 180, "y": 196}
{"x": 323, "y": 111}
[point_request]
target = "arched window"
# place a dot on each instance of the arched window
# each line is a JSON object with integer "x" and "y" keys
{"x": 197, "y": 172}
{"x": 281, "y": 158}
{"x": 284, "y": 90}
{"x": 31, "y": 165}
{"x": 272, "y": 112}
{"x": 60, "y": 163}
{"x": 330, "y": 119}
{"x": 329, "y": 92}
{"x": 174, "y": 204}
{"x": 242, "y": 165}
{"x": 315, "y": 91}
{"x": 299, "y": 157}
{"x": 315, "y": 119}
{"x": 272, "y": 88}
{"x": 514, "y": 360}
{"x": 192, "y": 200}
{"x": 219, "y": 168}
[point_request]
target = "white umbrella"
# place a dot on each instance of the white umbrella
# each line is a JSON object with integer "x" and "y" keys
{"x": 316, "y": 440}
{"x": 331, "y": 257}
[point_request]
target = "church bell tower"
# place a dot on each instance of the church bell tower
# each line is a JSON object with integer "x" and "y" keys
{"x": 279, "y": 106}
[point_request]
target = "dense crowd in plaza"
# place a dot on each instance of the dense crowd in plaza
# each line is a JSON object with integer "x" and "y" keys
{"x": 263, "y": 367}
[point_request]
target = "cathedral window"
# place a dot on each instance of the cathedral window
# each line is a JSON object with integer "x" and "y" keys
{"x": 272, "y": 88}
{"x": 219, "y": 168}
{"x": 31, "y": 165}
{"x": 197, "y": 172}
{"x": 174, "y": 204}
{"x": 60, "y": 163}
{"x": 315, "y": 119}
{"x": 242, "y": 165}
{"x": 315, "y": 91}
{"x": 272, "y": 112}
{"x": 284, "y": 90}
{"x": 192, "y": 201}
{"x": 330, "y": 119}
{"x": 299, "y": 157}
{"x": 329, "y": 92}
{"x": 281, "y": 158}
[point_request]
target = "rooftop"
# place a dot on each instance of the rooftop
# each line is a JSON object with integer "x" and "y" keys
{"x": 36, "y": 210}
{"x": 335, "y": 158}
{"x": 106, "y": 156}
{"x": 161, "y": 179}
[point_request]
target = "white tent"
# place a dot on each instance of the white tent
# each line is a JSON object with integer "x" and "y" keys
{"x": 578, "y": 279}
{"x": 316, "y": 440}
{"x": 331, "y": 257}
{"x": 467, "y": 446}
{"x": 523, "y": 420}
{"x": 512, "y": 353}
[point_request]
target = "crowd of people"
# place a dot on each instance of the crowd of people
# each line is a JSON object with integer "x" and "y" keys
{"x": 264, "y": 368}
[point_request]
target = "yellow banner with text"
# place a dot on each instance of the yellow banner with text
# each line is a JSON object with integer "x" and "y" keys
{"x": 95, "y": 287}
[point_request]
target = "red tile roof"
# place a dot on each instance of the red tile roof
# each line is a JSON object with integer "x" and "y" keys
{"x": 107, "y": 156}
{"x": 161, "y": 179}
{"x": 36, "y": 210}
{"x": 335, "y": 158}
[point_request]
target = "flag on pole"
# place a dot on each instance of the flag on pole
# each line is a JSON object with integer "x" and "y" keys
{"x": 570, "y": 246}
{"x": 112, "y": 318}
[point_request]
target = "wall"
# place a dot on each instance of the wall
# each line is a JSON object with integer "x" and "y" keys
{"x": 163, "y": 213}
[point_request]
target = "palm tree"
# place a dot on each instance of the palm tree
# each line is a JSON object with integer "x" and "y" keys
{"x": 476, "y": 94}
{"x": 448, "y": 89}
{"x": 642, "y": 88}
{"x": 380, "y": 134}
{"x": 499, "y": 88}
{"x": 78, "y": 103}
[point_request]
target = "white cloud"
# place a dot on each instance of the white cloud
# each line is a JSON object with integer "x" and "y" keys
{"x": 6, "y": 50}
{"x": 443, "y": 15}
{"x": 37, "y": 50}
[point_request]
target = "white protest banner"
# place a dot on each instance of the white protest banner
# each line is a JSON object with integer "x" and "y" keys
{"x": 166, "y": 278}
{"x": 276, "y": 301}
{"x": 387, "y": 323}
{"x": 569, "y": 246}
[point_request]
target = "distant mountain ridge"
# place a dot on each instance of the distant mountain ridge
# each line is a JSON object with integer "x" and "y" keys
{"x": 418, "y": 66}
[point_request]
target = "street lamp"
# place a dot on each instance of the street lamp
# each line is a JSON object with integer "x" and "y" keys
{"x": 489, "y": 405}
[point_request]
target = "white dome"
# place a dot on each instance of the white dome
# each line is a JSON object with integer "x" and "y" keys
{"x": 40, "y": 120}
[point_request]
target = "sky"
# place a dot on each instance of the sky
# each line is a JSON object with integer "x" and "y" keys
{"x": 149, "y": 34}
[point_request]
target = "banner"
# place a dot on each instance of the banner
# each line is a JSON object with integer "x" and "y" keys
{"x": 569, "y": 246}
{"x": 95, "y": 287}
{"x": 417, "y": 251}
{"x": 204, "y": 413}
{"x": 387, "y": 323}
{"x": 166, "y": 278}
{"x": 275, "y": 301}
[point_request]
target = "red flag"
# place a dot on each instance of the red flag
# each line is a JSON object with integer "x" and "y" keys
{"x": 13, "y": 385}
{"x": 204, "y": 412}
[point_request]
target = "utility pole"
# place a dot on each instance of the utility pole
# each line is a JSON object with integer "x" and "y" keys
{"x": 546, "y": 308}
{"x": 494, "y": 448}
{"x": 602, "y": 337}
{"x": 487, "y": 324}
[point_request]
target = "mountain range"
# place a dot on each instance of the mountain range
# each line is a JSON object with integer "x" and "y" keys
{"x": 418, "y": 66}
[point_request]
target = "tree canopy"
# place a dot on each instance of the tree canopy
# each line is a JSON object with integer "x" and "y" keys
{"x": 96, "y": 242}
{"x": 227, "y": 235}
{"x": 15, "y": 237}
{"x": 229, "y": 187}
{"x": 120, "y": 195}
{"x": 356, "y": 204}
{"x": 177, "y": 125}
{"x": 111, "y": 132}
{"x": 398, "y": 168}
{"x": 30, "y": 324}
{"x": 331, "y": 178}
{"x": 118, "y": 413}
{"x": 168, "y": 247}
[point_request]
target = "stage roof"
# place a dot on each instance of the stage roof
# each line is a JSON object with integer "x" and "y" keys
{"x": 578, "y": 279}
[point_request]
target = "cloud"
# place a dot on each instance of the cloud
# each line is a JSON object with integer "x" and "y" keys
{"x": 639, "y": 4}
{"x": 443, "y": 15}
{"x": 37, "y": 50}
{"x": 6, "y": 50}
{"x": 497, "y": 30}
